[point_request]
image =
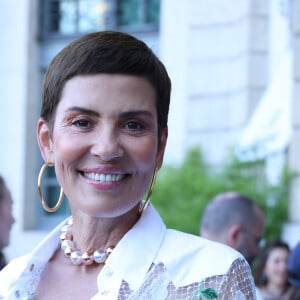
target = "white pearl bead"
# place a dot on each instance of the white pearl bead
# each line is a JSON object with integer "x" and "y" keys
{"x": 67, "y": 244}
{"x": 99, "y": 256}
{"x": 76, "y": 257}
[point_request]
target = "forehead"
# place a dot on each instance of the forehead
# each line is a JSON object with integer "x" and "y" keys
{"x": 108, "y": 89}
{"x": 278, "y": 252}
{"x": 107, "y": 82}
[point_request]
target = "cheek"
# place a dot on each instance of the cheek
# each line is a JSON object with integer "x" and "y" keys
{"x": 268, "y": 269}
{"x": 272, "y": 268}
{"x": 67, "y": 152}
{"x": 144, "y": 154}
{"x": 68, "y": 149}
{"x": 5, "y": 216}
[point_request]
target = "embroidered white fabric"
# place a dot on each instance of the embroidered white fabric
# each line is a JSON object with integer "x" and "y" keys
{"x": 30, "y": 282}
{"x": 235, "y": 285}
{"x": 183, "y": 274}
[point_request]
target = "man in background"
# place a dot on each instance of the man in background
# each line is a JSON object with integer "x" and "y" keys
{"x": 6, "y": 219}
{"x": 235, "y": 220}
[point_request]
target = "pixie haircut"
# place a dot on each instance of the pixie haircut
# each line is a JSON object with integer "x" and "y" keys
{"x": 107, "y": 52}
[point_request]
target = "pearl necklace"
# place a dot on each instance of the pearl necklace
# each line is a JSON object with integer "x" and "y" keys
{"x": 76, "y": 256}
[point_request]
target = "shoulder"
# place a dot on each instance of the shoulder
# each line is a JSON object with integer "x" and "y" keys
{"x": 200, "y": 246}
{"x": 190, "y": 259}
{"x": 15, "y": 266}
{"x": 11, "y": 273}
{"x": 23, "y": 271}
{"x": 294, "y": 293}
{"x": 194, "y": 251}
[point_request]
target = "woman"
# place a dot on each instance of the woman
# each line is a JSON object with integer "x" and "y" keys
{"x": 6, "y": 219}
{"x": 103, "y": 127}
{"x": 271, "y": 276}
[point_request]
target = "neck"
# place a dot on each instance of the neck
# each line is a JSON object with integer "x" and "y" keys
{"x": 90, "y": 233}
{"x": 90, "y": 240}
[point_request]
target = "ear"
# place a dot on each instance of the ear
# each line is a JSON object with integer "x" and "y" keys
{"x": 161, "y": 148}
{"x": 232, "y": 237}
{"x": 44, "y": 140}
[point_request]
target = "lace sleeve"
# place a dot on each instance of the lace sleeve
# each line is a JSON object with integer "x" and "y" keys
{"x": 236, "y": 284}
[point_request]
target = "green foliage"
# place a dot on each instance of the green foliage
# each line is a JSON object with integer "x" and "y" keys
{"x": 182, "y": 192}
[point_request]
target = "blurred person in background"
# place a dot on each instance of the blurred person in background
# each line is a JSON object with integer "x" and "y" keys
{"x": 6, "y": 219}
{"x": 235, "y": 220}
{"x": 271, "y": 275}
{"x": 294, "y": 266}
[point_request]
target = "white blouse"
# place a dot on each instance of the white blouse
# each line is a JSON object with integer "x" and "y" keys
{"x": 149, "y": 262}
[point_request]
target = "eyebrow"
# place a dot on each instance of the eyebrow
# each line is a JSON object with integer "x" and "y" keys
{"x": 125, "y": 114}
{"x": 133, "y": 113}
{"x": 83, "y": 110}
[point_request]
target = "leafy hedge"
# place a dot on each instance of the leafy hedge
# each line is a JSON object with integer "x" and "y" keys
{"x": 182, "y": 192}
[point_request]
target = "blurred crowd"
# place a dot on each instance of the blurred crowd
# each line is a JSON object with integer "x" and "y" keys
{"x": 237, "y": 221}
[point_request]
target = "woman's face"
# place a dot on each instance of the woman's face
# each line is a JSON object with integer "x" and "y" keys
{"x": 276, "y": 267}
{"x": 104, "y": 143}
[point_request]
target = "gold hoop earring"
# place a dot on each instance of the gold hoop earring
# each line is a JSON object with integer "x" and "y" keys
{"x": 145, "y": 204}
{"x": 39, "y": 184}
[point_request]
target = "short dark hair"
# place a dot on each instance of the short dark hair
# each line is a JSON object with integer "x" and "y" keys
{"x": 226, "y": 209}
{"x": 108, "y": 52}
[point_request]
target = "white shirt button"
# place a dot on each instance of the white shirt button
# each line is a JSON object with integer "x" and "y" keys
{"x": 109, "y": 272}
{"x": 105, "y": 292}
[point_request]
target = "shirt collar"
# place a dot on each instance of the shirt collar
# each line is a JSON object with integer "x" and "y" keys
{"x": 138, "y": 249}
{"x": 45, "y": 249}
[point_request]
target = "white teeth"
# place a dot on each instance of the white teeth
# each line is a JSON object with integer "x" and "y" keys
{"x": 104, "y": 177}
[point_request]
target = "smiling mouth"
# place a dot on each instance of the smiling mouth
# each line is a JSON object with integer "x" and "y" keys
{"x": 104, "y": 177}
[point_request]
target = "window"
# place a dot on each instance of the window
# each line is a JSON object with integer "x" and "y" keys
{"x": 137, "y": 13}
{"x": 61, "y": 18}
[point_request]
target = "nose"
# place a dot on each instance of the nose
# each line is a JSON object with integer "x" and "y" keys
{"x": 10, "y": 218}
{"x": 13, "y": 219}
{"x": 106, "y": 144}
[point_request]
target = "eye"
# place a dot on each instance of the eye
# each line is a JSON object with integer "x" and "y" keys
{"x": 82, "y": 123}
{"x": 133, "y": 126}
